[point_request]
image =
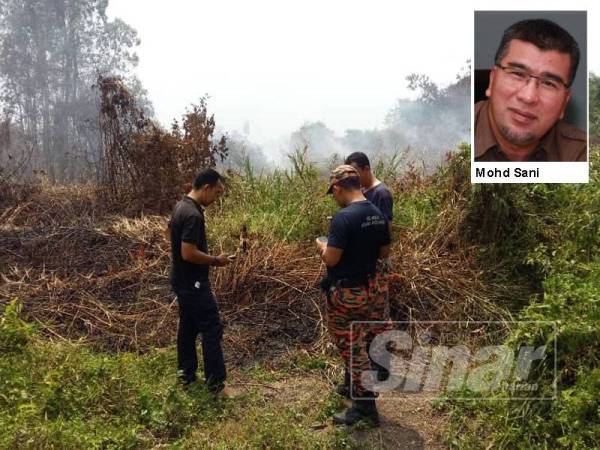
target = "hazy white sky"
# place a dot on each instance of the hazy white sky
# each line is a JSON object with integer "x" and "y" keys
{"x": 280, "y": 63}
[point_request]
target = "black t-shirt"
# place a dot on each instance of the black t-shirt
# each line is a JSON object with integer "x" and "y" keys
{"x": 360, "y": 230}
{"x": 381, "y": 197}
{"x": 187, "y": 225}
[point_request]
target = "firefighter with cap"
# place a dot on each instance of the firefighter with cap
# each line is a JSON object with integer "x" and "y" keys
{"x": 358, "y": 236}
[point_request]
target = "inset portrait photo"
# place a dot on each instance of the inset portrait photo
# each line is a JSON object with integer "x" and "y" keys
{"x": 530, "y": 97}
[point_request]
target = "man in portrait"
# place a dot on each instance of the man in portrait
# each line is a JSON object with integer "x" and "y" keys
{"x": 528, "y": 92}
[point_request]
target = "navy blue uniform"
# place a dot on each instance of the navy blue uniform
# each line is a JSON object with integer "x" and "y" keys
{"x": 360, "y": 230}
{"x": 381, "y": 197}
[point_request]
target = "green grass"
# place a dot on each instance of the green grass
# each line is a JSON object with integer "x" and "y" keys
{"x": 291, "y": 205}
{"x": 63, "y": 395}
{"x": 555, "y": 234}
{"x": 543, "y": 237}
{"x": 285, "y": 205}
{"x": 417, "y": 210}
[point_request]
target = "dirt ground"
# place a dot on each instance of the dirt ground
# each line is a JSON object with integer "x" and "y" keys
{"x": 408, "y": 422}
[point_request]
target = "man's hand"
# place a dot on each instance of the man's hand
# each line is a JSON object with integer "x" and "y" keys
{"x": 321, "y": 245}
{"x": 331, "y": 256}
{"x": 222, "y": 260}
{"x": 190, "y": 253}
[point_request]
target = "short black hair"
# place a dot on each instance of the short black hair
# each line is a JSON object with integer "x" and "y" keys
{"x": 350, "y": 183}
{"x": 545, "y": 35}
{"x": 207, "y": 176}
{"x": 358, "y": 158}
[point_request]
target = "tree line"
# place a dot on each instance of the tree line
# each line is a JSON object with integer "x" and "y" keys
{"x": 51, "y": 54}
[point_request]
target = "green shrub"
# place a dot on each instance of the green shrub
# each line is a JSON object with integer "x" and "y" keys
{"x": 63, "y": 395}
{"x": 14, "y": 332}
{"x": 557, "y": 235}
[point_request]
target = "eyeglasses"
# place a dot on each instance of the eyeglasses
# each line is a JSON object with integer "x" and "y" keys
{"x": 520, "y": 78}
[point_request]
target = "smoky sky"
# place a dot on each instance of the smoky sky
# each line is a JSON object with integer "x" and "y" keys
{"x": 269, "y": 67}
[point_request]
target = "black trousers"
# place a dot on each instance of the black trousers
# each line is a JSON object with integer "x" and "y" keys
{"x": 199, "y": 314}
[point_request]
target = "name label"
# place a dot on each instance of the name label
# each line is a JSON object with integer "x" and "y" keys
{"x": 517, "y": 172}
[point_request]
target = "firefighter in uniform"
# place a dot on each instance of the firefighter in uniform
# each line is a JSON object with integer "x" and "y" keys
{"x": 358, "y": 237}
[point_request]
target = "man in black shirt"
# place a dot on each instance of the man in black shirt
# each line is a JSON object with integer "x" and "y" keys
{"x": 198, "y": 311}
{"x": 374, "y": 190}
{"x": 377, "y": 193}
{"x": 358, "y": 236}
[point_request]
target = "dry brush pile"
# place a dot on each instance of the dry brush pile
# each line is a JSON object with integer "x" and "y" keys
{"x": 83, "y": 273}
{"x": 105, "y": 278}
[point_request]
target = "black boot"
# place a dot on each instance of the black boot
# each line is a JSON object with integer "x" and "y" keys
{"x": 185, "y": 379}
{"x": 361, "y": 410}
{"x": 343, "y": 389}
